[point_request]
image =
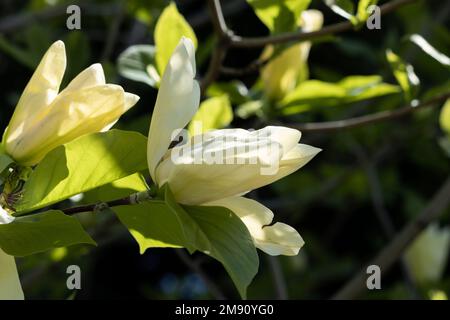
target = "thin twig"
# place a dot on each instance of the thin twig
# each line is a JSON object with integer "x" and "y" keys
{"x": 221, "y": 47}
{"x": 367, "y": 119}
{"x": 394, "y": 250}
{"x": 247, "y": 42}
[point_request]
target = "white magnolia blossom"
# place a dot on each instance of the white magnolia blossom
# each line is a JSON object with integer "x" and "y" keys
{"x": 220, "y": 181}
{"x": 45, "y": 118}
{"x": 10, "y": 288}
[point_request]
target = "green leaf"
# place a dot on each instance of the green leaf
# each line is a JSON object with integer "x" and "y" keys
{"x": 117, "y": 189}
{"x": 138, "y": 63}
{"x": 41, "y": 232}
{"x": 213, "y": 113}
{"x": 228, "y": 242}
{"x": 430, "y": 50}
{"x": 215, "y": 231}
{"x": 153, "y": 225}
{"x": 84, "y": 164}
{"x": 344, "y": 8}
{"x": 444, "y": 117}
{"x": 279, "y": 15}
{"x": 404, "y": 73}
{"x": 314, "y": 93}
{"x": 171, "y": 26}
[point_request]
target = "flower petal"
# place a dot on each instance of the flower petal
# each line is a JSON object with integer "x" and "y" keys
{"x": 39, "y": 93}
{"x": 246, "y": 161}
{"x": 177, "y": 102}
{"x": 74, "y": 113}
{"x": 276, "y": 239}
{"x": 10, "y": 288}
{"x": 89, "y": 77}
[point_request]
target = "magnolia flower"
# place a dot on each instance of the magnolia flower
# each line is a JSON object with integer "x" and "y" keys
{"x": 46, "y": 118}
{"x": 282, "y": 73}
{"x": 10, "y": 288}
{"x": 197, "y": 176}
{"x": 427, "y": 255}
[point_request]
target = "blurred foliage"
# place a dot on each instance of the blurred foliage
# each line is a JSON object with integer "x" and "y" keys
{"x": 329, "y": 201}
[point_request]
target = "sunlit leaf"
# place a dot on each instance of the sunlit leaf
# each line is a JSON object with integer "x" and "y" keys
{"x": 41, "y": 232}
{"x": 405, "y": 75}
{"x": 215, "y": 231}
{"x": 171, "y": 26}
{"x": 82, "y": 165}
{"x": 213, "y": 113}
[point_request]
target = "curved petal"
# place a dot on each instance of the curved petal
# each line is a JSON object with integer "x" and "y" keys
{"x": 89, "y": 77}
{"x": 177, "y": 102}
{"x": 39, "y": 93}
{"x": 276, "y": 239}
{"x": 245, "y": 161}
{"x": 10, "y": 288}
{"x": 74, "y": 113}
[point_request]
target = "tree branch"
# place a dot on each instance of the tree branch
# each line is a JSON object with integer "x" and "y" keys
{"x": 393, "y": 251}
{"x": 221, "y": 47}
{"x": 367, "y": 119}
{"x": 246, "y": 42}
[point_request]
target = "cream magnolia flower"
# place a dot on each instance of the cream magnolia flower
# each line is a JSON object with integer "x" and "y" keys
{"x": 198, "y": 176}
{"x": 46, "y": 118}
{"x": 282, "y": 73}
{"x": 427, "y": 255}
{"x": 10, "y": 288}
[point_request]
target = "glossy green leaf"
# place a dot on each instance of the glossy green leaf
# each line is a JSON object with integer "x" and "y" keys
{"x": 82, "y": 165}
{"x": 250, "y": 108}
{"x": 41, "y": 232}
{"x": 405, "y": 75}
{"x": 213, "y": 113}
{"x": 153, "y": 225}
{"x": 279, "y": 15}
{"x": 215, "y": 231}
{"x": 117, "y": 189}
{"x": 171, "y": 26}
{"x": 138, "y": 63}
{"x": 229, "y": 242}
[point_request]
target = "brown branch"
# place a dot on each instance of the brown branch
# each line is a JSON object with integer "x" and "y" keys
{"x": 221, "y": 48}
{"x": 247, "y": 42}
{"x": 367, "y": 119}
{"x": 393, "y": 251}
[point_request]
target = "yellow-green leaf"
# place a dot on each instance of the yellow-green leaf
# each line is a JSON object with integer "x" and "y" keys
{"x": 214, "y": 113}
{"x": 171, "y": 26}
